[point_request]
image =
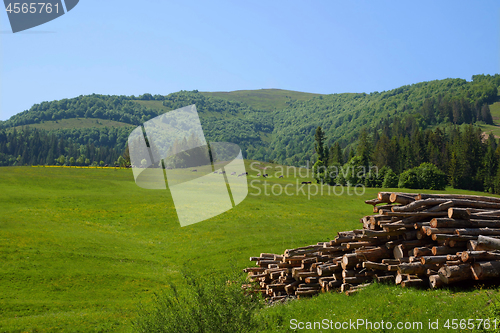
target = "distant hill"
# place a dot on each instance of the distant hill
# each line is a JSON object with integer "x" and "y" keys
{"x": 269, "y": 124}
{"x": 264, "y": 99}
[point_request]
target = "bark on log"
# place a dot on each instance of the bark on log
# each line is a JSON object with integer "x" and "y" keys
{"x": 459, "y": 213}
{"x": 488, "y": 242}
{"x": 458, "y": 196}
{"x": 413, "y": 283}
{"x": 468, "y": 256}
{"x": 375, "y": 266}
{"x": 422, "y": 251}
{"x": 442, "y": 250}
{"x": 486, "y": 270}
{"x": 401, "y": 198}
{"x": 478, "y": 231}
{"x": 433, "y": 259}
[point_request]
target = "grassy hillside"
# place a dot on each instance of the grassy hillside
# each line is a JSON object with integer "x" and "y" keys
{"x": 76, "y": 123}
{"x": 264, "y": 99}
{"x": 80, "y": 249}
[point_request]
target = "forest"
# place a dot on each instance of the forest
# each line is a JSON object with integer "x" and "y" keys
{"x": 422, "y": 115}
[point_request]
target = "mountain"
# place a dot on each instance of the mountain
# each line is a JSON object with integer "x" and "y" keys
{"x": 268, "y": 124}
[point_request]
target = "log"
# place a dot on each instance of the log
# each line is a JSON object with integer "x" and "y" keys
{"x": 468, "y": 256}
{"x": 328, "y": 269}
{"x": 435, "y": 281}
{"x": 400, "y": 278}
{"x": 416, "y": 268}
{"x": 306, "y": 293}
{"x": 375, "y": 266}
{"x": 460, "y": 238}
{"x": 400, "y": 198}
{"x": 334, "y": 284}
{"x": 449, "y": 223}
{"x": 413, "y": 283}
{"x": 400, "y": 252}
{"x": 478, "y": 231}
{"x": 441, "y": 250}
{"x": 430, "y": 231}
{"x": 357, "y": 279}
{"x": 488, "y": 242}
{"x": 349, "y": 260}
{"x": 384, "y": 197}
{"x": 459, "y": 213}
{"x": 441, "y": 207}
{"x": 457, "y": 244}
{"x": 463, "y": 271}
{"x": 389, "y": 279}
{"x": 376, "y": 209}
{"x": 373, "y": 202}
{"x": 426, "y": 260}
{"x": 458, "y": 196}
{"x": 486, "y": 270}
{"x": 417, "y": 215}
{"x": 374, "y": 254}
{"x": 422, "y": 251}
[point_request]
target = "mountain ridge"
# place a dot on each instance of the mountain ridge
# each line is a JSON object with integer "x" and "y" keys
{"x": 270, "y": 124}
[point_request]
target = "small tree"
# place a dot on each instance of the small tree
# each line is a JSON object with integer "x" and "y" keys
{"x": 87, "y": 161}
{"x": 121, "y": 161}
{"x": 101, "y": 163}
{"x": 319, "y": 145}
{"x": 390, "y": 179}
{"x": 319, "y": 171}
{"x": 72, "y": 161}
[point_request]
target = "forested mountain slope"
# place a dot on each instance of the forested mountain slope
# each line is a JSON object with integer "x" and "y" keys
{"x": 268, "y": 124}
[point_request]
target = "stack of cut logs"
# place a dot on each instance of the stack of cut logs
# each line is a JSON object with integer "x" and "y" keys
{"x": 425, "y": 240}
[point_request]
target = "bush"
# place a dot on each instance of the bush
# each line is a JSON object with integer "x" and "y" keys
{"x": 375, "y": 177}
{"x": 431, "y": 177}
{"x": 390, "y": 179}
{"x": 409, "y": 179}
{"x": 202, "y": 305}
{"x": 425, "y": 176}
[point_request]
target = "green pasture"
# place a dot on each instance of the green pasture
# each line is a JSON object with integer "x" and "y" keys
{"x": 72, "y": 123}
{"x": 82, "y": 249}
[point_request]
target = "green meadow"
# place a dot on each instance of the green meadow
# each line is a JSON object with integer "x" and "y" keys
{"x": 83, "y": 250}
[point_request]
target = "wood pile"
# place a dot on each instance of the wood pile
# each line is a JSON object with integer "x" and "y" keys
{"x": 414, "y": 240}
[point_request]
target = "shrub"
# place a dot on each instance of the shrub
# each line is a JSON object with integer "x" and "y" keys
{"x": 409, "y": 179}
{"x": 431, "y": 177}
{"x": 390, "y": 179}
{"x": 425, "y": 176}
{"x": 204, "y": 304}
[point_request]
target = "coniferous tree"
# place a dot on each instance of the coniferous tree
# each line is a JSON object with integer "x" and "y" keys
{"x": 319, "y": 145}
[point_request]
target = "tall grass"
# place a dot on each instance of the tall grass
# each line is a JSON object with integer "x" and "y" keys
{"x": 202, "y": 304}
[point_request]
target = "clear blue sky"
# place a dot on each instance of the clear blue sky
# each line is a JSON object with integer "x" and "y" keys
{"x": 132, "y": 47}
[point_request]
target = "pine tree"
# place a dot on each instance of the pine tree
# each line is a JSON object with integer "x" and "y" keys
{"x": 319, "y": 145}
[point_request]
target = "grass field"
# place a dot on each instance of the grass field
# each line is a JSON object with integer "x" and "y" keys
{"x": 76, "y": 123}
{"x": 81, "y": 249}
{"x": 264, "y": 99}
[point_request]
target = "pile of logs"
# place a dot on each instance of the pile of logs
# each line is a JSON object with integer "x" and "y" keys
{"x": 422, "y": 240}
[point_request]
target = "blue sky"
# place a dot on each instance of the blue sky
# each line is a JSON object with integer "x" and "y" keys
{"x": 132, "y": 47}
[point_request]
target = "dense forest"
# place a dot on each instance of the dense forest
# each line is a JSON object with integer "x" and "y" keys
{"x": 36, "y": 147}
{"x": 264, "y": 133}
{"x": 461, "y": 156}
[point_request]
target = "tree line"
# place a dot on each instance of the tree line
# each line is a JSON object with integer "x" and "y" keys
{"x": 461, "y": 156}
{"x": 29, "y": 146}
